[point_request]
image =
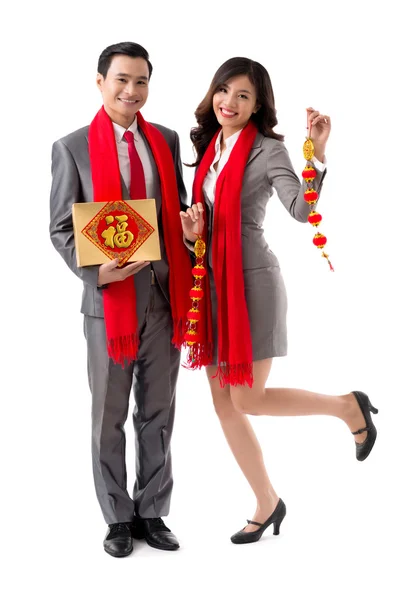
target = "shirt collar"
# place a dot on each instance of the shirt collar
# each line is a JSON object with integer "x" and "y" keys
{"x": 119, "y": 131}
{"x": 229, "y": 142}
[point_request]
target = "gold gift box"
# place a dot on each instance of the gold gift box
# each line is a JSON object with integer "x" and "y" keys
{"x": 124, "y": 229}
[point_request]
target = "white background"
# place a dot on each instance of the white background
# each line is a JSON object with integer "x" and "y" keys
{"x": 340, "y": 537}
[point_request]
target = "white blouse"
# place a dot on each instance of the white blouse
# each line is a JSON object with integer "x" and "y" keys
{"x": 210, "y": 180}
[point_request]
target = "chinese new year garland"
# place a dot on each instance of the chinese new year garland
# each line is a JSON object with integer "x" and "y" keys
{"x": 311, "y": 195}
{"x": 196, "y": 294}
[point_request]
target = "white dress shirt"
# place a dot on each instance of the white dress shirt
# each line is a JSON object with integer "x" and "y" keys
{"x": 123, "y": 157}
{"x": 210, "y": 180}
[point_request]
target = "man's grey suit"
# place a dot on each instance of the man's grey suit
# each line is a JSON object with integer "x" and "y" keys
{"x": 154, "y": 373}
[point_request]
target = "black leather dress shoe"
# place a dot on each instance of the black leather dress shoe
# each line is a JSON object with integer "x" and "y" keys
{"x": 247, "y": 537}
{"x": 363, "y": 449}
{"x": 118, "y": 541}
{"x": 155, "y": 532}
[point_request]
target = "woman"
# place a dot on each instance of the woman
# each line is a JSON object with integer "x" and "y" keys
{"x": 240, "y": 159}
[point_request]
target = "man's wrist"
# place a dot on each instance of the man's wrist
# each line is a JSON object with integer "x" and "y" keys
{"x": 100, "y": 284}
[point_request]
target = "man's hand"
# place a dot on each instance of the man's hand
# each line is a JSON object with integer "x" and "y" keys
{"x": 109, "y": 272}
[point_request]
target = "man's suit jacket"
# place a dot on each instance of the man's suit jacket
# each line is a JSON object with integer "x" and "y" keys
{"x": 72, "y": 182}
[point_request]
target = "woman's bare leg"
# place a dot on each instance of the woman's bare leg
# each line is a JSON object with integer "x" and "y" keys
{"x": 245, "y": 448}
{"x": 288, "y": 402}
{"x": 232, "y": 403}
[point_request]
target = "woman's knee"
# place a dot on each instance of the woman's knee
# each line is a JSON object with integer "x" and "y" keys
{"x": 221, "y": 396}
{"x": 223, "y": 406}
{"x": 246, "y": 401}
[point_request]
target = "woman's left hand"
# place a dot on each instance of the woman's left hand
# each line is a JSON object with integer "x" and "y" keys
{"x": 320, "y": 130}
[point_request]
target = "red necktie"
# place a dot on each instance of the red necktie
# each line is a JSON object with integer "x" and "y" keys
{"x": 138, "y": 183}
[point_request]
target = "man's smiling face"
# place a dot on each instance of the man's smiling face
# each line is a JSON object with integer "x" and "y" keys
{"x": 125, "y": 88}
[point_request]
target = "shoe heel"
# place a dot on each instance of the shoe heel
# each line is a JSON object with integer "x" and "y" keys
{"x": 277, "y": 526}
{"x": 373, "y": 409}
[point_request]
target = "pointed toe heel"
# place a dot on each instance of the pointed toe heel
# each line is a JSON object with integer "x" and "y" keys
{"x": 247, "y": 537}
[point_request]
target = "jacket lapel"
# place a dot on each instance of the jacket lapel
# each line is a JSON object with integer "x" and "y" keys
{"x": 256, "y": 148}
{"x": 155, "y": 172}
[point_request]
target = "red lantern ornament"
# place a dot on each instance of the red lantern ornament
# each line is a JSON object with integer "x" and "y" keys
{"x": 193, "y": 315}
{"x": 191, "y": 337}
{"x": 311, "y": 195}
{"x": 309, "y": 174}
{"x": 314, "y": 218}
{"x": 319, "y": 240}
{"x": 196, "y": 293}
{"x": 198, "y": 271}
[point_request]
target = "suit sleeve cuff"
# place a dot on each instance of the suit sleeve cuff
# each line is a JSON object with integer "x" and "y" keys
{"x": 321, "y": 166}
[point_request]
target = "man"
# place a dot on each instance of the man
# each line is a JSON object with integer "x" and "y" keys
{"x": 134, "y": 315}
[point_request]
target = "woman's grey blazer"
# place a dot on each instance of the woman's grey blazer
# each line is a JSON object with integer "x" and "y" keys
{"x": 268, "y": 167}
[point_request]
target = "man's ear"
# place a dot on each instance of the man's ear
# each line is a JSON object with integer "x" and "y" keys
{"x": 99, "y": 81}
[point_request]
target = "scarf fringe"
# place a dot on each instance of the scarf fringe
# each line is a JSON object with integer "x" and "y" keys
{"x": 235, "y": 374}
{"x": 123, "y": 349}
{"x": 179, "y": 332}
{"x": 198, "y": 356}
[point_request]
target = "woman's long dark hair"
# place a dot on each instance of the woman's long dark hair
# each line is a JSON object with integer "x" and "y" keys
{"x": 265, "y": 118}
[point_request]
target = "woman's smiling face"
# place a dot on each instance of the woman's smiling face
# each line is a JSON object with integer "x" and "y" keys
{"x": 234, "y": 102}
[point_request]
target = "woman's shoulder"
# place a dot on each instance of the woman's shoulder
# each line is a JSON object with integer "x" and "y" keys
{"x": 269, "y": 143}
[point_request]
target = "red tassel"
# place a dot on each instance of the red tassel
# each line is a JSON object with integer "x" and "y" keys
{"x": 329, "y": 262}
{"x": 199, "y": 355}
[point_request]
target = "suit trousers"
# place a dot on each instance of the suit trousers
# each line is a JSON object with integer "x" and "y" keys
{"x": 153, "y": 378}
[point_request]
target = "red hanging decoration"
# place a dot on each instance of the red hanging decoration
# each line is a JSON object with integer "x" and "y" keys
{"x": 311, "y": 195}
{"x": 196, "y": 293}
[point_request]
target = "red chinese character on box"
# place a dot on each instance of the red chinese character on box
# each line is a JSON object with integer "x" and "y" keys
{"x": 118, "y": 230}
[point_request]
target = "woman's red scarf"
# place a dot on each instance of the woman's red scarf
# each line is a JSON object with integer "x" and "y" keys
{"x": 120, "y": 297}
{"x": 235, "y": 357}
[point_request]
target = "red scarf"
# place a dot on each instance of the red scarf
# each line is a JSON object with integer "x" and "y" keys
{"x": 235, "y": 357}
{"x": 120, "y": 297}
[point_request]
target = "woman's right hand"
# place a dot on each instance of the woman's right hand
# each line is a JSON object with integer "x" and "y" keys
{"x": 193, "y": 222}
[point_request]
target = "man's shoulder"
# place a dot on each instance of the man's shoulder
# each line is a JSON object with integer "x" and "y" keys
{"x": 169, "y": 134}
{"x": 75, "y": 139}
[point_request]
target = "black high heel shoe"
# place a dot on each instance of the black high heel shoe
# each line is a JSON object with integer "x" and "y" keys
{"x": 246, "y": 537}
{"x": 363, "y": 449}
